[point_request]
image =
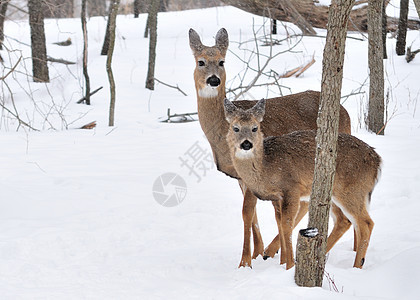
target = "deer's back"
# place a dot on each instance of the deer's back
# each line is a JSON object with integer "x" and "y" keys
{"x": 293, "y": 112}
{"x": 358, "y": 164}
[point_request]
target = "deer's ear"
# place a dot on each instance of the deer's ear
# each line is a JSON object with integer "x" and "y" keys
{"x": 259, "y": 110}
{"x": 222, "y": 40}
{"x": 195, "y": 42}
{"x": 230, "y": 110}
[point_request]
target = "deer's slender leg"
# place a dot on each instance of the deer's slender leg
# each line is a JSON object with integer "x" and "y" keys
{"x": 256, "y": 234}
{"x": 273, "y": 248}
{"x": 248, "y": 211}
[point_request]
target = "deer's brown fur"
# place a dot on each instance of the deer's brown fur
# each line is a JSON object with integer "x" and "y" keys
{"x": 283, "y": 115}
{"x": 281, "y": 169}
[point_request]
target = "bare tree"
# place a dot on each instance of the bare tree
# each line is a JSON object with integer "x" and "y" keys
{"x": 376, "y": 69}
{"x": 402, "y": 28}
{"x": 311, "y": 249}
{"x": 85, "y": 53}
{"x": 39, "y": 49}
{"x": 112, "y": 24}
{"x": 57, "y": 8}
{"x": 315, "y": 15}
{"x": 3, "y": 9}
{"x": 152, "y": 23}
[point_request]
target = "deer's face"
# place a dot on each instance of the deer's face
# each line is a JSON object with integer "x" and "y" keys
{"x": 244, "y": 135}
{"x": 209, "y": 74}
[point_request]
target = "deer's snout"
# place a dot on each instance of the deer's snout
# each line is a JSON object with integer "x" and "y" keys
{"x": 213, "y": 81}
{"x": 246, "y": 145}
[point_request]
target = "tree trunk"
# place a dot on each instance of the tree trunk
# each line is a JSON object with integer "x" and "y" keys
{"x": 136, "y": 7}
{"x": 96, "y": 8}
{"x": 150, "y": 80}
{"x": 376, "y": 69}
{"x": 402, "y": 27}
{"x": 105, "y": 45}
{"x": 417, "y": 5}
{"x": 112, "y": 24}
{"x": 85, "y": 52}
{"x": 39, "y": 50}
{"x": 326, "y": 141}
{"x": 316, "y": 15}
{"x": 3, "y": 9}
{"x": 384, "y": 28}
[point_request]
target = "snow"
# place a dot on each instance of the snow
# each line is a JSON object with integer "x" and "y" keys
{"x": 78, "y": 217}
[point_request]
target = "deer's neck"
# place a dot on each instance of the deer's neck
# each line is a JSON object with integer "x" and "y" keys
{"x": 212, "y": 120}
{"x": 249, "y": 166}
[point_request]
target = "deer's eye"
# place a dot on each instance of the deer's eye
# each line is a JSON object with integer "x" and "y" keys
{"x": 255, "y": 129}
{"x": 235, "y": 129}
{"x": 221, "y": 63}
{"x": 201, "y": 63}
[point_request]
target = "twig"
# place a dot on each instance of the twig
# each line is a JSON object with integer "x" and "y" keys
{"x": 12, "y": 69}
{"x": 411, "y": 54}
{"x": 183, "y": 116}
{"x": 308, "y": 65}
{"x": 17, "y": 118}
{"x": 60, "y": 60}
{"x": 94, "y": 92}
{"x": 171, "y": 86}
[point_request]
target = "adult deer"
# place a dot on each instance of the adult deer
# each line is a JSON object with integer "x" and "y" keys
{"x": 283, "y": 115}
{"x": 281, "y": 169}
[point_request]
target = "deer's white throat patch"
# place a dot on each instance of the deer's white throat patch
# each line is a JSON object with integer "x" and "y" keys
{"x": 244, "y": 154}
{"x": 208, "y": 92}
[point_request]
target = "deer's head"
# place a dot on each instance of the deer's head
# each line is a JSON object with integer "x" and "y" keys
{"x": 244, "y": 135}
{"x": 209, "y": 74}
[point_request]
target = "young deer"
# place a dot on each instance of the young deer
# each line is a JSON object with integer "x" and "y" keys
{"x": 281, "y": 168}
{"x": 283, "y": 115}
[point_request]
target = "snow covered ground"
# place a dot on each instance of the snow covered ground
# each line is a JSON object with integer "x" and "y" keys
{"x": 79, "y": 219}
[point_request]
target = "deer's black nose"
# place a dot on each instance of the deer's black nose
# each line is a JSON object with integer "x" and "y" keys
{"x": 246, "y": 145}
{"x": 213, "y": 81}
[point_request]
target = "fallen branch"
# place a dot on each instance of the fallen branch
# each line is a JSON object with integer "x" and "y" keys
{"x": 186, "y": 117}
{"x": 94, "y": 92}
{"x": 171, "y": 86}
{"x": 64, "y": 43}
{"x": 90, "y": 125}
{"x": 308, "y": 65}
{"x": 299, "y": 70}
{"x": 411, "y": 54}
{"x": 60, "y": 60}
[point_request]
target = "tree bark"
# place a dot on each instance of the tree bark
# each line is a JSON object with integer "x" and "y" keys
{"x": 376, "y": 69}
{"x": 316, "y": 15}
{"x": 384, "y": 28}
{"x": 112, "y": 24}
{"x": 402, "y": 28}
{"x": 326, "y": 140}
{"x": 152, "y": 20}
{"x": 105, "y": 45}
{"x": 85, "y": 53}
{"x": 39, "y": 49}
{"x": 136, "y": 7}
{"x": 417, "y": 5}
{"x": 3, "y": 9}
